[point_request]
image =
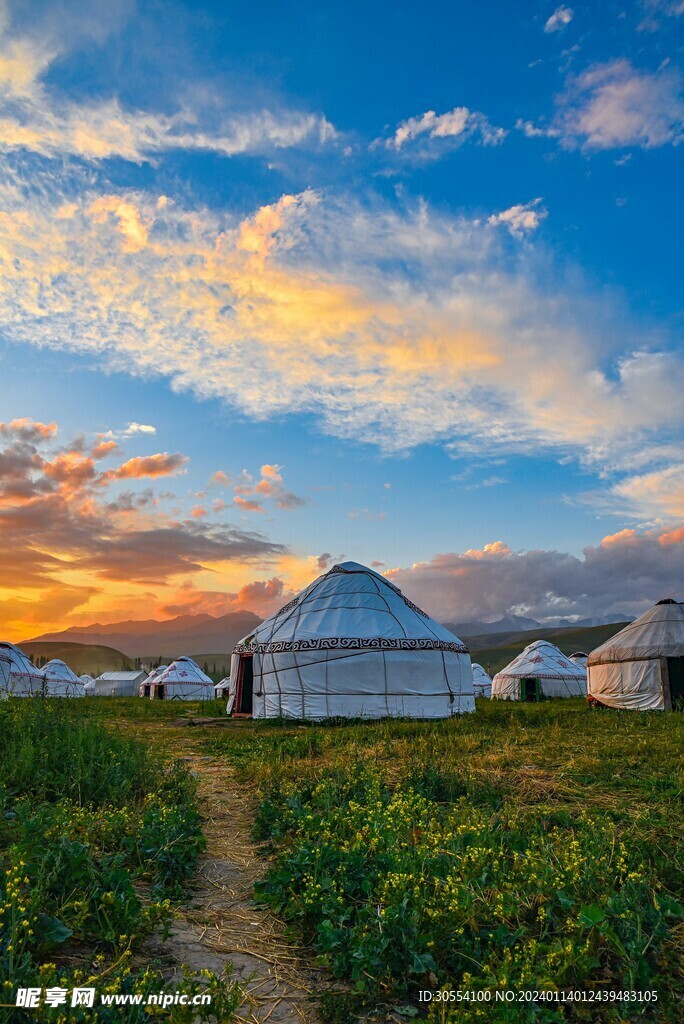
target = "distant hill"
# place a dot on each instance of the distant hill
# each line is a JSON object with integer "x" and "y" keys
{"x": 494, "y": 650}
{"x": 169, "y": 639}
{"x": 514, "y": 624}
{"x": 81, "y": 658}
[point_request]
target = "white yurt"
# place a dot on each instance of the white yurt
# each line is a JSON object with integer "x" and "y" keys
{"x": 182, "y": 680}
{"x": 541, "y": 670}
{"x": 642, "y": 666}
{"x": 145, "y": 687}
{"x": 482, "y": 681}
{"x": 5, "y": 671}
{"x": 88, "y": 685}
{"x": 579, "y": 658}
{"x": 24, "y": 678}
{"x": 119, "y": 684}
{"x": 350, "y": 645}
{"x": 222, "y": 689}
{"x": 60, "y": 681}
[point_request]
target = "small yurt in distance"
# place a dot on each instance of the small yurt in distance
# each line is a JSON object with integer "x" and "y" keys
{"x": 145, "y": 687}
{"x": 350, "y": 645}
{"x": 541, "y": 670}
{"x": 24, "y": 678}
{"x": 482, "y": 681}
{"x": 221, "y": 689}
{"x": 119, "y": 684}
{"x": 60, "y": 681}
{"x": 579, "y": 658}
{"x": 642, "y": 667}
{"x": 182, "y": 680}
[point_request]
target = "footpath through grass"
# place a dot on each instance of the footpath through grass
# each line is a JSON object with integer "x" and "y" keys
{"x": 523, "y": 847}
{"x": 98, "y": 839}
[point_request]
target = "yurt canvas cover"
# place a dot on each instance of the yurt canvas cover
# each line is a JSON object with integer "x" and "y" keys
{"x": 541, "y": 670}
{"x": 5, "y": 670}
{"x": 24, "y": 678}
{"x": 350, "y": 645}
{"x": 579, "y": 658}
{"x": 482, "y": 682}
{"x": 183, "y": 680}
{"x": 642, "y": 666}
{"x": 60, "y": 681}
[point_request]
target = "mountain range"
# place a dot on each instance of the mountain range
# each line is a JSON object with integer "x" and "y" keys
{"x": 188, "y": 634}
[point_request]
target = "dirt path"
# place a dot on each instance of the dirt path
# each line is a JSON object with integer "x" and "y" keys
{"x": 223, "y": 925}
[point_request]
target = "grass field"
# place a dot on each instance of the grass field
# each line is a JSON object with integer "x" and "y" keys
{"x": 523, "y": 847}
{"x": 98, "y": 840}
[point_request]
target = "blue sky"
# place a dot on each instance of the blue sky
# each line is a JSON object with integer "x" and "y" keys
{"x": 421, "y": 263}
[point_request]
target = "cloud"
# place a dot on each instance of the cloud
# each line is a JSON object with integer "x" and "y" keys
{"x": 561, "y": 17}
{"x": 624, "y": 575}
{"x": 26, "y": 429}
{"x": 62, "y": 529}
{"x": 366, "y": 514}
{"x": 250, "y": 494}
{"x": 34, "y": 118}
{"x": 161, "y": 464}
{"x": 392, "y": 325}
{"x": 520, "y": 219}
{"x": 613, "y": 105}
{"x": 457, "y": 125}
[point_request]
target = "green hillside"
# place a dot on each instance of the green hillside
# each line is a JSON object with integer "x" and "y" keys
{"x": 494, "y": 650}
{"x": 81, "y": 658}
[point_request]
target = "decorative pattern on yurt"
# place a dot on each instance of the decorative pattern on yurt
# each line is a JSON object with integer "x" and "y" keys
{"x": 24, "y": 678}
{"x": 182, "y": 680}
{"x": 351, "y": 645}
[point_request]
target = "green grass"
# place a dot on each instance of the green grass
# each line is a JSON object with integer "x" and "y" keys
{"x": 523, "y": 846}
{"x": 98, "y": 839}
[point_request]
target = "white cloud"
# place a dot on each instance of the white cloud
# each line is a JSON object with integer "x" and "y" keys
{"x": 521, "y": 218}
{"x": 395, "y": 326}
{"x": 561, "y": 17}
{"x": 615, "y": 105}
{"x": 33, "y": 118}
{"x": 457, "y": 124}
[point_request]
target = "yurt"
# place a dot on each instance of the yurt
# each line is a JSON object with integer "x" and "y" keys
{"x": 182, "y": 680}
{"x": 222, "y": 689}
{"x": 482, "y": 681}
{"x": 541, "y": 670}
{"x": 350, "y": 645}
{"x": 24, "y": 678}
{"x": 88, "y": 685}
{"x": 579, "y": 658}
{"x": 5, "y": 672}
{"x": 145, "y": 687}
{"x": 119, "y": 684}
{"x": 60, "y": 681}
{"x": 642, "y": 667}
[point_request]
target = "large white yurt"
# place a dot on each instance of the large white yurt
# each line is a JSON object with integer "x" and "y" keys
{"x": 60, "y": 681}
{"x": 24, "y": 678}
{"x": 350, "y": 645}
{"x": 541, "y": 670}
{"x": 119, "y": 684}
{"x": 642, "y": 666}
{"x": 482, "y": 681}
{"x": 145, "y": 687}
{"x": 182, "y": 680}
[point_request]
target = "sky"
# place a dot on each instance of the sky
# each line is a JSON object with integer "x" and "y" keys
{"x": 283, "y": 285}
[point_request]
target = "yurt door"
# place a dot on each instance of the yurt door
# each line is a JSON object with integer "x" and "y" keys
{"x": 675, "y": 671}
{"x": 529, "y": 690}
{"x": 245, "y": 685}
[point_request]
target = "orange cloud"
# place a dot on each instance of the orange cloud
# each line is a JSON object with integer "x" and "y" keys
{"x": 71, "y": 468}
{"x": 29, "y": 430}
{"x": 104, "y": 448}
{"x": 161, "y": 464}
